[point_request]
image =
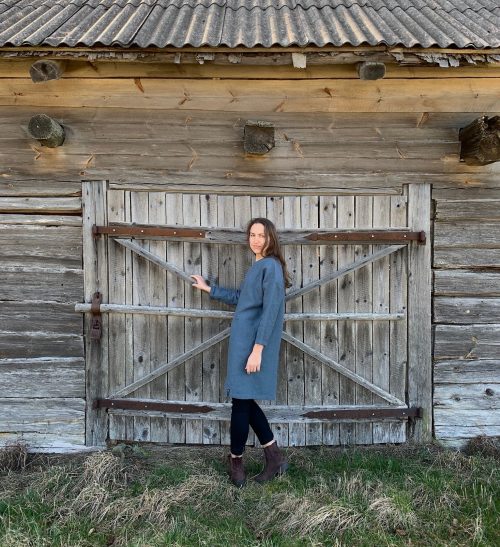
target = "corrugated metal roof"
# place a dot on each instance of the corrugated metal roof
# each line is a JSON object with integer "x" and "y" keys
{"x": 250, "y": 23}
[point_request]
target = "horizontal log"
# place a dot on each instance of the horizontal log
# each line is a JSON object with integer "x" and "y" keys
{"x": 467, "y": 372}
{"x": 15, "y": 345}
{"x": 458, "y": 257}
{"x": 466, "y": 283}
{"x": 40, "y": 220}
{"x": 220, "y": 314}
{"x": 466, "y": 310}
{"x": 467, "y": 396}
{"x": 473, "y": 209}
{"x": 40, "y": 205}
{"x": 466, "y": 417}
{"x": 49, "y": 317}
{"x": 30, "y": 186}
{"x": 24, "y": 283}
{"x": 62, "y": 416}
{"x": 476, "y": 234}
{"x": 50, "y": 443}
{"x": 467, "y": 341}
{"x": 45, "y": 377}
{"x": 460, "y": 433}
{"x": 34, "y": 245}
{"x": 326, "y": 95}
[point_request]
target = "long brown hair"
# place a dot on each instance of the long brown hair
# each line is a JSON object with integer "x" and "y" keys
{"x": 272, "y": 247}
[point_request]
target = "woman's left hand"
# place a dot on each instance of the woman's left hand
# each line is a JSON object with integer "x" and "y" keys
{"x": 254, "y": 359}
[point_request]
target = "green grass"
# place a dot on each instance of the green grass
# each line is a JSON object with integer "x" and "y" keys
{"x": 174, "y": 496}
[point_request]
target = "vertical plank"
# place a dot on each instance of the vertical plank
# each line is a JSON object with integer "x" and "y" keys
{"x": 346, "y": 329}
{"x": 419, "y": 311}
{"x": 381, "y": 220}
{"x": 328, "y": 303}
{"x": 193, "y": 326}
{"x": 243, "y": 258}
{"x": 227, "y": 278}
{"x": 275, "y": 213}
{"x": 311, "y": 302}
{"x": 176, "y": 378}
{"x": 158, "y": 335}
{"x": 398, "y": 357}
{"x": 129, "y": 318}
{"x": 210, "y": 327}
{"x": 294, "y": 357}
{"x": 139, "y": 202}
{"x": 95, "y": 279}
{"x": 363, "y": 303}
{"x": 117, "y": 334}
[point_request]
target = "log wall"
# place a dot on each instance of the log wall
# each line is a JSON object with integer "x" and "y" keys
{"x": 151, "y": 127}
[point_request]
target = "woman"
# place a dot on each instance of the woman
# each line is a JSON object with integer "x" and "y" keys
{"x": 254, "y": 345}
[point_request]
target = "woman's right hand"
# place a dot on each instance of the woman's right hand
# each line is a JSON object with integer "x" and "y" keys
{"x": 200, "y": 283}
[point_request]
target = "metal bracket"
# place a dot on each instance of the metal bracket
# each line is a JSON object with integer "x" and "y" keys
{"x": 96, "y": 324}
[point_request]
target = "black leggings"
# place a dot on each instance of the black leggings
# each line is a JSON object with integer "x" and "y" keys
{"x": 245, "y": 413}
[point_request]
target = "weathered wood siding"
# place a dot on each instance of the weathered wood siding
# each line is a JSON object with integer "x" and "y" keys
{"x": 151, "y": 127}
{"x": 467, "y": 319}
{"x": 42, "y": 386}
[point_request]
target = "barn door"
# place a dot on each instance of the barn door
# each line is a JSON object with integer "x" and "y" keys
{"x": 348, "y": 355}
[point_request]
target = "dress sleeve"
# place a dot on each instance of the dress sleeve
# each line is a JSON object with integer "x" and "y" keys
{"x": 272, "y": 299}
{"x": 228, "y": 296}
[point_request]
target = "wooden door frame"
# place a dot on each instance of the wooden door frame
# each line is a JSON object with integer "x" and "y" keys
{"x": 419, "y": 341}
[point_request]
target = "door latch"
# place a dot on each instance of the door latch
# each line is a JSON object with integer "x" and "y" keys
{"x": 96, "y": 322}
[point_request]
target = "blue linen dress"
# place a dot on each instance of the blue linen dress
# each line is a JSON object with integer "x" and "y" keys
{"x": 258, "y": 319}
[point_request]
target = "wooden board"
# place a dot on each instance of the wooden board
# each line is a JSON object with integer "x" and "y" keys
{"x": 466, "y": 283}
{"x": 467, "y": 341}
{"x": 461, "y": 371}
{"x": 50, "y": 377}
{"x": 466, "y": 310}
{"x": 329, "y": 95}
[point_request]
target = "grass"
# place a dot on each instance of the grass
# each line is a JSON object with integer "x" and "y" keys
{"x": 175, "y": 496}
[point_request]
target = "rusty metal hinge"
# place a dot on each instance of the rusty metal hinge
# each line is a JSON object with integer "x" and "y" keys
{"x": 96, "y": 322}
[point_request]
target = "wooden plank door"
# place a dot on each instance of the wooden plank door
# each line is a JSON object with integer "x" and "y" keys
{"x": 168, "y": 363}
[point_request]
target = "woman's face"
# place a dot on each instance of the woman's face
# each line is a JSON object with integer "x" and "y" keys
{"x": 257, "y": 239}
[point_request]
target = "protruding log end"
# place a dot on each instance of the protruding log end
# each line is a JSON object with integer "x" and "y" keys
{"x": 480, "y": 141}
{"x": 46, "y": 130}
{"x": 370, "y": 70}
{"x": 258, "y": 137}
{"x": 46, "y": 69}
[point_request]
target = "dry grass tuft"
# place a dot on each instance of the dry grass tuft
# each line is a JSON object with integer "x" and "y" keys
{"x": 13, "y": 457}
{"x": 390, "y": 515}
{"x": 483, "y": 446}
{"x": 300, "y": 516}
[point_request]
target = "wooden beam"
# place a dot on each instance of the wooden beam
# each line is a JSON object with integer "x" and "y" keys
{"x": 345, "y": 270}
{"x": 341, "y": 369}
{"x": 46, "y": 130}
{"x": 221, "y": 314}
{"x": 481, "y": 141}
{"x": 172, "y": 364}
{"x": 129, "y": 244}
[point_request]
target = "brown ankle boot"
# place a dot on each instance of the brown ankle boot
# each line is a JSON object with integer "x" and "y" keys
{"x": 276, "y": 463}
{"x": 237, "y": 471}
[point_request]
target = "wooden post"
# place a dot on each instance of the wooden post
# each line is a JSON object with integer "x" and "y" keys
{"x": 259, "y": 137}
{"x": 46, "y": 130}
{"x": 94, "y": 195}
{"x": 46, "y": 69}
{"x": 480, "y": 141}
{"x": 419, "y": 313}
{"x": 369, "y": 70}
